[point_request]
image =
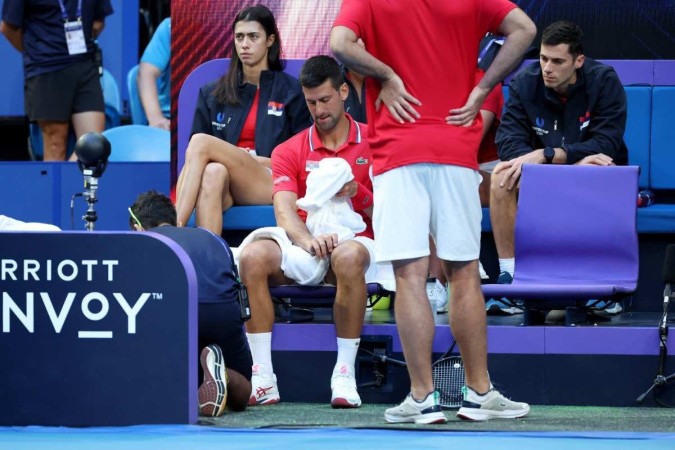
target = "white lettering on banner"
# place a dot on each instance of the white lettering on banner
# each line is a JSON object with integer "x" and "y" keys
{"x": 66, "y": 270}
{"x": 62, "y": 274}
{"x": 110, "y": 264}
{"x": 25, "y": 318}
{"x": 132, "y": 312}
{"x": 30, "y": 267}
{"x": 60, "y": 318}
{"x": 89, "y": 310}
{"x": 9, "y": 266}
{"x": 105, "y": 307}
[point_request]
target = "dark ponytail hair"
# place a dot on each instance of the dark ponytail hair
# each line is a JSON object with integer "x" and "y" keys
{"x": 227, "y": 90}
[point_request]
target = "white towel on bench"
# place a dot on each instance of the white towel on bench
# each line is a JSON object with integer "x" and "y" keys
{"x": 296, "y": 263}
{"x": 326, "y": 213}
{"x": 9, "y": 224}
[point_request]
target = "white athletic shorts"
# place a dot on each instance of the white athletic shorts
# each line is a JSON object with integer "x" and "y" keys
{"x": 413, "y": 201}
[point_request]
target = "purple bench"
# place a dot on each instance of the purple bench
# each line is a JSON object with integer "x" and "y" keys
{"x": 575, "y": 239}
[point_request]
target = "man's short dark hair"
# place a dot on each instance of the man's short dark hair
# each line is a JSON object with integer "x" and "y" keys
{"x": 153, "y": 209}
{"x": 318, "y": 69}
{"x": 564, "y": 32}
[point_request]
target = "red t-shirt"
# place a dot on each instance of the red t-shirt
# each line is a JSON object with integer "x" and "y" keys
{"x": 494, "y": 103}
{"x": 294, "y": 159}
{"x": 432, "y": 46}
{"x": 247, "y": 136}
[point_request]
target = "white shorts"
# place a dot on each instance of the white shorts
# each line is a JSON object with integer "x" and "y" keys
{"x": 413, "y": 201}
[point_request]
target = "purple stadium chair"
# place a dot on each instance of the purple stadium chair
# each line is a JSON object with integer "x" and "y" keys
{"x": 187, "y": 99}
{"x": 575, "y": 239}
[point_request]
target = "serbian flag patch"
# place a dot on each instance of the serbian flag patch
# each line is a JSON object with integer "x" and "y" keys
{"x": 275, "y": 109}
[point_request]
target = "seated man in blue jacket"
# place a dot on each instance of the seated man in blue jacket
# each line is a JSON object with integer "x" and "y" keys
{"x": 566, "y": 109}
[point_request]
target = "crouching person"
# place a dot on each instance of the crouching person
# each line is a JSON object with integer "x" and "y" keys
{"x": 225, "y": 357}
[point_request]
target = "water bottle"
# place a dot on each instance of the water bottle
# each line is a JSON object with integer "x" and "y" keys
{"x": 645, "y": 198}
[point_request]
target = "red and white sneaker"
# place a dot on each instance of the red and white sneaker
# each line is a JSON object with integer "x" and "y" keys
{"x": 213, "y": 391}
{"x": 264, "y": 390}
{"x": 343, "y": 387}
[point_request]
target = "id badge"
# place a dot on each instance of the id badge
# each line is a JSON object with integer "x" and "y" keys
{"x": 75, "y": 38}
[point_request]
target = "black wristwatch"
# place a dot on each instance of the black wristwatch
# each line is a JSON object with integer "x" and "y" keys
{"x": 549, "y": 154}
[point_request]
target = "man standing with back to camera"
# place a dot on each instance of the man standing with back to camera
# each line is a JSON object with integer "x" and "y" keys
{"x": 424, "y": 143}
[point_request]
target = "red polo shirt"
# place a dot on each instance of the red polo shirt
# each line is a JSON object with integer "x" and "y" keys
{"x": 294, "y": 159}
{"x": 432, "y": 46}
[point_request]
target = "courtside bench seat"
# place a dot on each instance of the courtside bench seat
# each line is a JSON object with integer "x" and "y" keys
{"x": 245, "y": 218}
{"x": 658, "y": 218}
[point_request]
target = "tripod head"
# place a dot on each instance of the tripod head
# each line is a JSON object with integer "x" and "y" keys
{"x": 92, "y": 150}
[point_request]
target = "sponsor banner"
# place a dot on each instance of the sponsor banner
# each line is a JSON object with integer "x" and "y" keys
{"x": 97, "y": 329}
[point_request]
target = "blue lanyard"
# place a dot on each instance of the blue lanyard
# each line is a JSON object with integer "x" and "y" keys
{"x": 64, "y": 13}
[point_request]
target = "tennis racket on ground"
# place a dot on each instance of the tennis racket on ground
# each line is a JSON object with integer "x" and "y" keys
{"x": 448, "y": 375}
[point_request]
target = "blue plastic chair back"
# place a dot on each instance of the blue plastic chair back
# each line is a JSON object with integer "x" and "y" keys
{"x": 135, "y": 106}
{"x": 111, "y": 91}
{"x": 139, "y": 143}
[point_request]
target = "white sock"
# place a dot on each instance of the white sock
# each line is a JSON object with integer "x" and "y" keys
{"x": 261, "y": 350}
{"x": 482, "y": 272}
{"x": 507, "y": 265}
{"x": 346, "y": 354}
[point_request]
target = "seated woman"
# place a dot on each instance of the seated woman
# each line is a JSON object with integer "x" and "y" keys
{"x": 238, "y": 121}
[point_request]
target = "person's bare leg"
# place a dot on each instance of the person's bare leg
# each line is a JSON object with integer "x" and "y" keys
{"x": 468, "y": 322}
{"x": 214, "y": 198}
{"x": 484, "y": 189}
{"x": 435, "y": 268}
{"x": 238, "y": 391}
{"x": 87, "y": 122}
{"x": 250, "y": 184}
{"x": 349, "y": 262}
{"x": 260, "y": 265}
{"x": 503, "y": 216}
{"x": 190, "y": 178}
{"x": 415, "y": 322}
{"x": 54, "y": 139}
{"x": 253, "y": 181}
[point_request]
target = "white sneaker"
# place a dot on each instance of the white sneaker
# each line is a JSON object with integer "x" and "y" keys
{"x": 213, "y": 391}
{"x": 438, "y": 296}
{"x": 605, "y": 306}
{"x": 343, "y": 389}
{"x": 427, "y": 411}
{"x": 492, "y": 405}
{"x": 264, "y": 390}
